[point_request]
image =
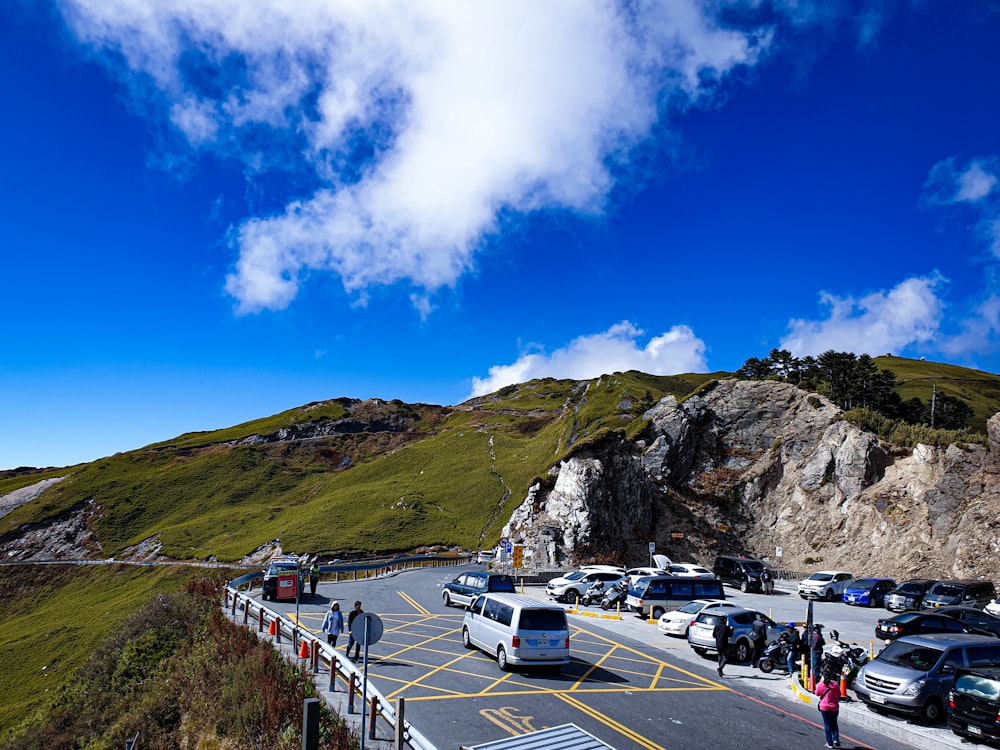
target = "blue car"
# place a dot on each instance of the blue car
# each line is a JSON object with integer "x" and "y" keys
{"x": 868, "y": 592}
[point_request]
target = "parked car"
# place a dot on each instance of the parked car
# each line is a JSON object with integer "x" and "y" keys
{"x": 918, "y": 623}
{"x": 677, "y": 621}
{"x": 634, "y": 574}
{"x": 742, "y": 572}
{"x": 965, "y": 593}
{"x": 826, "y": 584}
{"x": 572, "y": 586}
{"x": 517, "y": 630}
{"x": 278, "y": 566}
{"x": 908, "y": 594}
{"x": 974, "y": 618}
{"x": 974, "y": 705}
{"x": 690, "y": 570}
{"x": 740, "y": 647}
{"x": 868, "y": 592}
{"x": 915, "y": 674}
{"x": 486, "y": 556}
{"x": 468, "y": 586}
{"x": 655, "y": 595}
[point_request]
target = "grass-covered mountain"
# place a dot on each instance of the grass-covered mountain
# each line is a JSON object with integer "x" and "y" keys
{"x": 345, "y": 477}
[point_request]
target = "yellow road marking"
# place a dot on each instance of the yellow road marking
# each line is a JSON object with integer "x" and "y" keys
{"x": 506, "y": 720}
{"x": 412, "y": 603}
{"x": 617, "y": 726}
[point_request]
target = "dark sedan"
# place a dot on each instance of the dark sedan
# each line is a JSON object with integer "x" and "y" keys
{"x": 919, "y": 623}
{"x": 974, "y": 618}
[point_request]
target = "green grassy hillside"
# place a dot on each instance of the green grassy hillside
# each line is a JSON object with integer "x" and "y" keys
{"x": 400, "y": 477}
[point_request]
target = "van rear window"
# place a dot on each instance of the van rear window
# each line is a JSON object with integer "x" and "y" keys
{"x": 543, "y": 619}
{"x": 978, "y": 686}
{"x": 502, "y": 583}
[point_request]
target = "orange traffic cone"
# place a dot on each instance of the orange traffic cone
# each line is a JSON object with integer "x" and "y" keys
{"x": 272, "y": 629}
{"x": 304, "y": 649}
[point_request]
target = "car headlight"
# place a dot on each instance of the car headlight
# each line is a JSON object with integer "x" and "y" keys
{"x": 914, "y": 688}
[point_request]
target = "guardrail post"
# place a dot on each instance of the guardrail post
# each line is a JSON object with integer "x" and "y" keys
{"x": 350, "y": 693}
{"x": 314, "y": 655}
{"x": 260, "y": 620}
{"x": 400, "y": 704}
{"x": 310, "y": 724}
{"x": 246, "y": 612}
{"x": 233, "y": 610}
{"x": 333, "y": 672}
{"x": 371, "y": 720}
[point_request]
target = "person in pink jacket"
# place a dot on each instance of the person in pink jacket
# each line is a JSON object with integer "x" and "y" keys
{"x": 828, "y": 690}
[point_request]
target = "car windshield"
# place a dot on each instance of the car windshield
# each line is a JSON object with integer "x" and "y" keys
{"x": 909, "y": 588}
{"x": 912, "y": 656}
{"x": 753, "y": 567}
{"x": 905, "y": 617}
{"x": 691, "y": 607}
{"x": 864, "y": 583}
{"x": 820, "y": 577}
{"x": 283, "y": 567}
{"x": 947, "y": 590}
{"x": 978, "y": 686}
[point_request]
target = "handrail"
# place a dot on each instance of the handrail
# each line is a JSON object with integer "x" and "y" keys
{"x": 264, "y": 616}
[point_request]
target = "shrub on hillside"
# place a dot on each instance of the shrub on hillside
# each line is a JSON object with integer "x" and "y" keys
{"x": 180, "y": 674}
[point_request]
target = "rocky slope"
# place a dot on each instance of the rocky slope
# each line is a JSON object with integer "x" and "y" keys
{"x": 750, "y": 466}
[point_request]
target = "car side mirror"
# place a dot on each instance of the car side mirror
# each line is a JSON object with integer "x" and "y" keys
{"x": 946, "y": 669}
{"x": 468, "y": 608}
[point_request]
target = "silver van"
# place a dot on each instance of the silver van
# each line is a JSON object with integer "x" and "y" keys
{"x": 656, "y": 595}
{"x": 517, "y": 630}
{"x": 913, "y": 674}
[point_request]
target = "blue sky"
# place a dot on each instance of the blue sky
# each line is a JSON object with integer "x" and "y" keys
{"x": 216, "y": 211}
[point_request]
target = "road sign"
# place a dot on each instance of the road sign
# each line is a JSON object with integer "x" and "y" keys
{"x": 652, "y": 547}
{"x": 777, "y": 551}
{"x": 370, "y": 635}
{"x": 288, "y": 586}
{"x": 518, "y": 555}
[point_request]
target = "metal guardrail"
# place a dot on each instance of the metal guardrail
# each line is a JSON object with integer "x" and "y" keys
{"x": 272, "y": 622}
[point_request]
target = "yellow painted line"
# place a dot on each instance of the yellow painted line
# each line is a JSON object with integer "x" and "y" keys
{"x": 560, "y": 693}
{"x": 617, "y": 726}
{"x": 590, "y": 671}
{"x": 424, "y": 676}
{"x": 412, "y": 603}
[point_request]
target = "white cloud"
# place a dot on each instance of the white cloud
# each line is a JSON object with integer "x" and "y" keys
{"x": 880, "y": 322}
{"x": 972, "y": 185}
{"x": 616, "y": 350}
{"x": 466, "y": 109}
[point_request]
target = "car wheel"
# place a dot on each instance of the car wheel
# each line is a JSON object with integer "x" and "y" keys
{"x": 572, "y": 596}
{"x": 658, "y": 612}
{"x": 466, "y": 640}
{"x": 933, "y": 711}
{"x": 744, "y": 586}
{"x": 802, "y": 596}
{"x": 700, "y": 651}
{"x": 742, "y": 650}
{"x": 446, "y": 597}
{"x": 828, "y": 596}
{"x": 502, "y": 659}
{"x": 605, "y": 604}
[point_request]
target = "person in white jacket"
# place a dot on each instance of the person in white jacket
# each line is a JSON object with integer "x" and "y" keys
{"x": 333, "y": 624}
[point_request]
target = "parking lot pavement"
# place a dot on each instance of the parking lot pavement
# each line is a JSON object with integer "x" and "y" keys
{"x": 784, "y": 606}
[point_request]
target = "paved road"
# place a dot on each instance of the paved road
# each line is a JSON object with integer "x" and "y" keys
{"x": 628, "y": 684}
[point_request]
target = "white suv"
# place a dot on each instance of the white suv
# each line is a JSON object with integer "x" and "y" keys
{"x": 826, "y": 584}
{"x": 573, "y": 586}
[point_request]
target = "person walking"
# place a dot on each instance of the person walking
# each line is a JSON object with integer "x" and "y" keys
{"x": 721, "y": 633}
{"x": 313, "y": 578}
{"x": 350, "y": 638}
{"x": 333, "y": 624}
{"x": 828, "y": 690}
{"x": 758, "y": 636}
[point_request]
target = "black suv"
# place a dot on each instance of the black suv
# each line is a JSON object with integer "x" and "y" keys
{"x": 742, "y": 572}
{"x": 468, "y": 586}
{"x": 974, "y": 704}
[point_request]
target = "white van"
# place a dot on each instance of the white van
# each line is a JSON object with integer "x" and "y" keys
{"x": 517, "y": 630}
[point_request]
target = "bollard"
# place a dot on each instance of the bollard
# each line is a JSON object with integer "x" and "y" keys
{"x": 260, "y": 620}
{"x": 246, "y": 613}
{"x": 333, "y": 672}
{"x": 373, "y": 715}
{"x": 233, "y": 611}
{"x": 350, "y": 693}
{"x": 843, "y": 682}
{"x": 314, "y": 656}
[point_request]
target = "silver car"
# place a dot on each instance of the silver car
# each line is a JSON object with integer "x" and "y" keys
{"x": 741, "y": 620}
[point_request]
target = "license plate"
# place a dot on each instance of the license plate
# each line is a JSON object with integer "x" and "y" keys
{"x": 973, "y": 729}
{"x": 877, "y": 698}
{"x": 543, "y": 644}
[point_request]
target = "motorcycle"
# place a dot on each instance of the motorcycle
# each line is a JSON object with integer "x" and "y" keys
{"x": 594, "y": 594}
{"x": 615, "y": 594}
{"x": 841, "y": 659}
{"x": 775, "y": 656}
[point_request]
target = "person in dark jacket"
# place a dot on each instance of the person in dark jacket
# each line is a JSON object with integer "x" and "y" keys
{"x": 794, "y": 647}
{"x": 350, "y": 638}
{"x": 816, "y": 643}
{"x": 758, "y": 635}
{"x": 721, "y": 633}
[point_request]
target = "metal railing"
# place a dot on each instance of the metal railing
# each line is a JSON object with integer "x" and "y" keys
{"x": 308, "y": 646}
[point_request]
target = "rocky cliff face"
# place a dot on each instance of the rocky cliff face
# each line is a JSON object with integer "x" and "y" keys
{"x": 751, "y": 466}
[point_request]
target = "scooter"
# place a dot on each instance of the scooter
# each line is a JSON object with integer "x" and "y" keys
{"x": 594, "y": 594}
{"x": 615, "y": 594}
{"x": 775, "y": 656}
{"x": 844, "y": 659}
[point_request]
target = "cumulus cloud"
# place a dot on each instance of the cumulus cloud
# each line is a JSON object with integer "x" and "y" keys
{"x": 974, "y": 185}
{"x": 420, "y": 122}
{"x": 615, "y": 350}
{"x": 883, "y": 321}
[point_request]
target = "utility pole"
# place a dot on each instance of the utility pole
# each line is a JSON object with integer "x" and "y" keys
{"x": 933, "y": 401}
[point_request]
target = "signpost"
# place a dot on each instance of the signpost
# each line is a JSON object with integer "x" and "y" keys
{"x": 518, "y": 556}
{"x": 777, "y": 554}
{"x": 367, "y": 628}
{"x": 652, "y": 549}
